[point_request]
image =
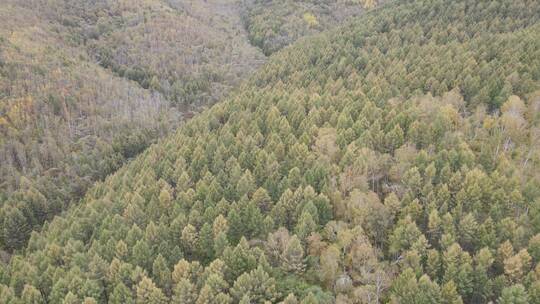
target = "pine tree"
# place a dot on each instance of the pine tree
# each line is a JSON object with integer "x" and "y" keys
{"x": 394, "y": 139}
{"x": 121, "y": 294}
{"x": 404, "y": 288}
{"x": 165, "y": 199}
{"x": 433, "y": 264}
{"x": 182, "y": 270}
{"x": 514, "y": 294}
{"x": 405, "y": 234}
{"x": 290, "y": 299}
{"x": 121, "y": 250}
{"x": 31, "y": 295}
{"x": 223, "y": 298}
{"x": 15, "y": 229}
{"x": 239, "y": 260}
{"x": 534, "y": 247}
{"x": 534, "y": 293}
{"x": 149, "y": 293}
{"x": 89, "y": 300}
{"x": 58, "y": 291}
{"x": 513, "y": 268}
{"x": 449, "y": 294}
{"x": 236, "y": 226}
{"x": 220, "y": 243}
{"x": 483, "y": 262}
{"x": 434, "y": 225}
{"x": 245, "y": 299}
{"x": 190, "y": 238}
{"x": 251, "y": 219}
{"x": 184, "y": 292}
{"x": 310, "y": 299}
{"x": 293, "y": 256}
{"x": 306, "y": 225}
{"x": 71, "y": 298}
{"x": 262, "y": 200}
{"x": 246, "y": 185}
{"x": 329, "y": 268}
{"x": 220, "y": 225}
{"x": 257, "y": 284}
{"x": 428, "y": 291}
{"x": 458, "y": 268}
{"x": 213, "y": 290}
{"x": 468, "y": 229}
{"x": 206, "y": 244}
{"x": 161, "y": 273}
{"x": 142, "y": 255}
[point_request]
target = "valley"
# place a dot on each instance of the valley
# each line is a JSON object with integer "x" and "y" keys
{"x": 390, "y": 155}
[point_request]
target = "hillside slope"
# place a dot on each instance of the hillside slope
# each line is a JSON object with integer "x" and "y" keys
{"x": 190, "y": 51}
{"x": 395, "y": 160}
{"x": 87, "y": 85}
{"x": 275, "y": 24}
{"x": 64, "y": 122}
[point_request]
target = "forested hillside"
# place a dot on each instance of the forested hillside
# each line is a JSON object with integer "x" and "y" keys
{"x": 392, "y": 160}
{"x": 87, "y": 85}
{"x": 274, "y": 24}
{"x": 64, "y": 122}
{"x": 190, "y": 51}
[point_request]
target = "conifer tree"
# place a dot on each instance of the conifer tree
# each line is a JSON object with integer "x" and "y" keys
{"x": 15, "y": 229}
{"x": 161, "y": 273}
{"x": 257, "y": 284}
{"x": 184, "y": 292}
{"x": 31, "y": 295}
{"x": 293, "y": 256}
{"x": 449, "y": 294}
{"x": 121, "y": 294}
{"x": 514, "y": 294}
{"x": 141, "y": 254}
{"x": 290, "y": 299}
{"x": 149, "y": 293}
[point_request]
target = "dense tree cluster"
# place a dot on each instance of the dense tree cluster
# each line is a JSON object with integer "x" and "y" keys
{"x": 275, "y": 24}
{"x": 65, "y": 121}
{"x": 392, "y": 160}
{"x": 190, "y": 51}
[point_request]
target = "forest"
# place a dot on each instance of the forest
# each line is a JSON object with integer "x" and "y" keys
{"x": 85, "y": 86}
{"x": 275, "y": 24}
{"x": 390, "y": 158}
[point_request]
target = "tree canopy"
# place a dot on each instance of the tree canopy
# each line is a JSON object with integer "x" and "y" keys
{"x": 394, "y": 159}
{"x": 85, "y": 86}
